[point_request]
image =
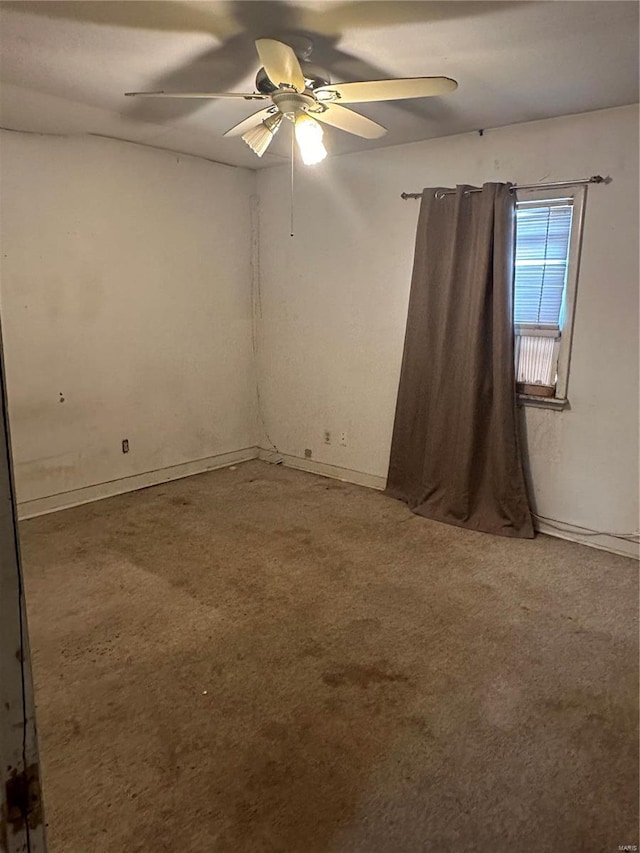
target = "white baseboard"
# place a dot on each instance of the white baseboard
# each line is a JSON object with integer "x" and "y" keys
{"x": 612, "y": 544}
{"x": 75, "y": 497}
{"x": 324, "y": 469}
{"x": 88, "y": 494}
{"x": 602, "y": 542}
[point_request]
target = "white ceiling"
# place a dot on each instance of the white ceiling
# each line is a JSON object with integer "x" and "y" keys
{"x": 66, "y": 65}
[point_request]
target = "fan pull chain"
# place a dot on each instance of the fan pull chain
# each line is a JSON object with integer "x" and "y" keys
{"x": 293, "y": 155}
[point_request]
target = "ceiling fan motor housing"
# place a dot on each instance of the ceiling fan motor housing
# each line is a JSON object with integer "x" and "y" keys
{"x": 263, "y": 84}
{"x": 314, "y": 76}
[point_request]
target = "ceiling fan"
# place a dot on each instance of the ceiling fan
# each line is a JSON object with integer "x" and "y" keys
{"x": 302, "y": 92}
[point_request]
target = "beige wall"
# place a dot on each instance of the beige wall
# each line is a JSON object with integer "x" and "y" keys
{"x": 125, "y": 292}
{"x": 334, "y": 302}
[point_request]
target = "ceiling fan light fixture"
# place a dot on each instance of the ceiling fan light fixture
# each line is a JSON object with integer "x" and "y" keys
{"x": 259, "y": 137}
{"x": 309, "y": 138}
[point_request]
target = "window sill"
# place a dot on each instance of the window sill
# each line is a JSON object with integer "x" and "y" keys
{"x": 555, "y": 403}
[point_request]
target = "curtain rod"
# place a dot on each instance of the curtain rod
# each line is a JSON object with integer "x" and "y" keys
{"x": 594, "y": 179}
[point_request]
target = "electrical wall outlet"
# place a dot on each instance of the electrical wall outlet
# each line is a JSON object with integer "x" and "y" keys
{"x": 343, "y": 438}
{"x": 125, "y": 445}
{"x": 327, "y": 436}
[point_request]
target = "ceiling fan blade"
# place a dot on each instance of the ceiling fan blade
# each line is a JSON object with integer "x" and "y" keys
{"x": 280, "y": 63}
{"x": 346, "y": 119}
{"x": 249, "y": 96}
{"x": 248, "y": 123}
{"x": 389, "y": 90}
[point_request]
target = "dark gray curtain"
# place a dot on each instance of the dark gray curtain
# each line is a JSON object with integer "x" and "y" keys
{"x": 455, "y": 455}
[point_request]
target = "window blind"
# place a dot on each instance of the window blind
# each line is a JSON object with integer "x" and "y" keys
{"x": 542, "y": 252}
{"x": 535, "y": 364}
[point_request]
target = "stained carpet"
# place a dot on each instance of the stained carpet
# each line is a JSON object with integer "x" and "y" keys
{"x": 261, "y": 659}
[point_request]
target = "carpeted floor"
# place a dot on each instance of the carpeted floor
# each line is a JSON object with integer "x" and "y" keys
{"x": 265, "y": 660}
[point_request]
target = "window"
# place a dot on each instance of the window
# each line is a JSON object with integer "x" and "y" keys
{"x": 548, "y": 232}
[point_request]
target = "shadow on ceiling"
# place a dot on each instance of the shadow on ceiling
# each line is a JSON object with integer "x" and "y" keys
{"x": 235, "y": 25}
